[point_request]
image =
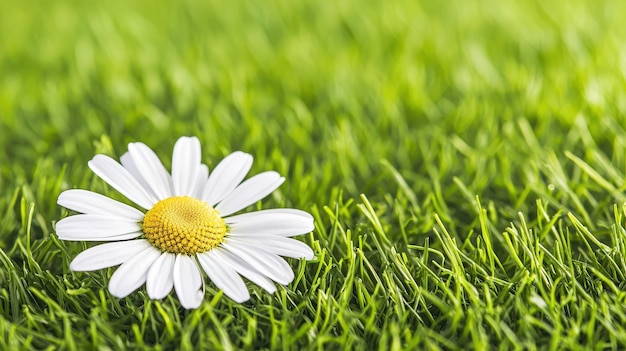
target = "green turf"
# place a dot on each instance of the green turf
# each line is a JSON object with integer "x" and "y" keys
{"x": 464, "y": 162}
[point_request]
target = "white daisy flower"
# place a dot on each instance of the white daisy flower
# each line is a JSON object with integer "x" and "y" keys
{"x": 188, "y": 224}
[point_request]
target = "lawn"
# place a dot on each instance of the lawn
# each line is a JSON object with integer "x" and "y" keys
{"x": 464, "y": 162}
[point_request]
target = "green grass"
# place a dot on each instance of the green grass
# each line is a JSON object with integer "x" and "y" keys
{"x": 464, "y": 162}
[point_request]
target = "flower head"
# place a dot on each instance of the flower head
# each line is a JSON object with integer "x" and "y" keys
{"x": 187, "y": 224}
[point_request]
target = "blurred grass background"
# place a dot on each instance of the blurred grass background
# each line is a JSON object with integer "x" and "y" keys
{"x": 419, "y": 105}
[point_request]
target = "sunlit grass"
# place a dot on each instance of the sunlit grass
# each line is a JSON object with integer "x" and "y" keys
{"x": 464, "y": 163}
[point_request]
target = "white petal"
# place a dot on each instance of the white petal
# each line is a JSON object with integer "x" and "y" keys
{"x": 265, "y": 262}
{"x": 186, "y": 165}
{"x": 133, "y": 273}
{"x": 281, "y": 221}
{"x": 90, "y": 227}
{"x": 203, "y": 176}
{"x": 85, "y": 201}
{"x": 119, "y": 178}
{"x": 127, "y": 161}
{"x": 224, "y": 277}
{"x": 249, "y": 192}
{"x": 244, "y": 269}
{"x": 188, "y": 282}
{"x": 160, "y": 277}
{"x": 151, "y": 169}
{"x": 277, "y": 244}
{"x": 226, "y": 176}
{"x": 107, "y": 255}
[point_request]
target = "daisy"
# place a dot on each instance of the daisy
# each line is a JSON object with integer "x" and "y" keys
{"x": 186, "y": 224}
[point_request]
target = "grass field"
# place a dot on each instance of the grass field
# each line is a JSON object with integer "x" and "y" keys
{"x": 464, "y": 161}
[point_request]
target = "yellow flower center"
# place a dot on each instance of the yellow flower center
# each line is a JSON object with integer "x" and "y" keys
{"x": 184, "y": 225}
